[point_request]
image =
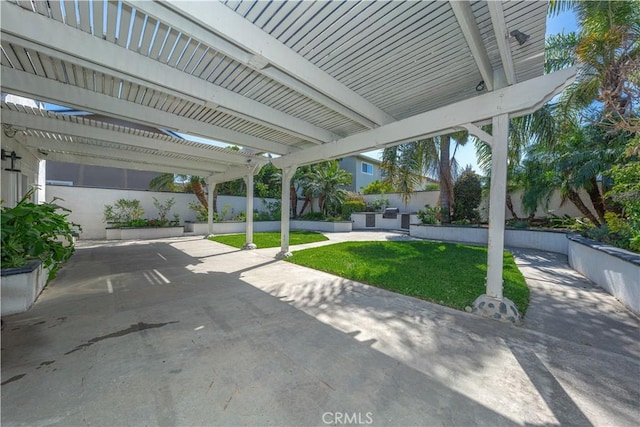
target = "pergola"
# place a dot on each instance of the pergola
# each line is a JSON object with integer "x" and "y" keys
{"x": 305, "y": 80}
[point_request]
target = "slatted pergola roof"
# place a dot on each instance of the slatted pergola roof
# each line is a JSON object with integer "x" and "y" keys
{"x": 305, "y": 80}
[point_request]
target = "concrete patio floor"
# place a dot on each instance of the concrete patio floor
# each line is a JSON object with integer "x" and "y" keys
{"x": 190, "y": 332}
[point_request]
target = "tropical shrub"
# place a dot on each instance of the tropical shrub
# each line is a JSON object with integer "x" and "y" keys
{"x": 467, "y": 192}
{"x": 377, "y": 187}
{"x": 36, "y": 231}
{"x": 123, "y": 211}
{"x": 351, "y": 206}
{"x": 429, "y": 215}
{"x": 378, "y": 204}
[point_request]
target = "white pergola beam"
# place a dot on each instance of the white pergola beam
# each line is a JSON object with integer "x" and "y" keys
{"x": 59, "y": 37}
{"x": 218, "y": 18}
{"x": 121, "y": 164}
{"x": 80, "y": 130}
{"x": 469, "y": 27}
{"x": 177, "y": 21}
{"x": 514, "y": 100}
{"x": 500, "y": 29}
{"x": 108, "y": 153}
{"x": 43, "y": 89}
{"x": 236, "y": 172}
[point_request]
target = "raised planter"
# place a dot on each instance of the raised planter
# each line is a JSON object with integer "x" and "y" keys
{"x": 545, "y": 240}
{"x": 230, "y": 227}
{"x": 143, "y": 233}
{"x": 21, "y": 286}
{"x": 328, "y": 226}
{"x": 614, "y": 269}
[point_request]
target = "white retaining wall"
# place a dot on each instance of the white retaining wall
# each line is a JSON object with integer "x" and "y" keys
{"x": 232, "y": 227}
{"x": 87, "y": 205}
{"x": 421, "y": 198}
{"x": 614, "y": 269}
{"x": 19, "y": 291}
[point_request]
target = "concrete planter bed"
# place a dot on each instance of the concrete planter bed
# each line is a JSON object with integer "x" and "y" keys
{"x": 21, "y": 286}
{"x": 143, "y": 233}
{"x": 545, "y": 240}
{"x": 328, "y": 226}
{"x": 615, "y": 270}
{"x": 230, "y": 227}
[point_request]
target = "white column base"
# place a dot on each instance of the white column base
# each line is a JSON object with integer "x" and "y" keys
{"x": 249, "y": 246}
{"x": 503, "y": 310}
{"x": 283, "y": 255}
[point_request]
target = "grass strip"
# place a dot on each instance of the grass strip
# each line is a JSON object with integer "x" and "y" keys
{"x": 270, "y": 239}
{"x": 444, "y": 273}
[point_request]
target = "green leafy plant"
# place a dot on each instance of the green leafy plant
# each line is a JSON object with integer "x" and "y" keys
{"x": 377, "y": 187}
{"x": 467, "y": 192}
{"x": 429, "y": 215}
{"x": 164, "y": 209}
{"x": 36, "y": 231}
{"x": 123, "y": 212}
{"x": 202, "y": 214}
{"x": 351, "y": 206}
{"x": 378, "y": 204}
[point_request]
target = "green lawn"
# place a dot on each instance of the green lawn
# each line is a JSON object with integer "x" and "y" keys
{"x": 270, "y": 239}
{"x": 445, "y": 273}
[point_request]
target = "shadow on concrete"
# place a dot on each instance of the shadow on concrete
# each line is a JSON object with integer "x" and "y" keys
{"x": 212, "y": 349}
{"x": 566, "y": 305}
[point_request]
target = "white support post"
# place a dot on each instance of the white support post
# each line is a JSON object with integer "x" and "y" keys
{"x": 287, "y": 175}
{"x": 493, "y": 304}
{"x": 212, "y": 186}
{"x": 249, "y": 212}
{"x": 497, "y": 200}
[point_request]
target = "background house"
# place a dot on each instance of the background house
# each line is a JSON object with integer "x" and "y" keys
{"x": 364, "y": 170}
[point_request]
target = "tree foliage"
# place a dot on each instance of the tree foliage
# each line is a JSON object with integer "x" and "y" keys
{"x": 467, "y": 191}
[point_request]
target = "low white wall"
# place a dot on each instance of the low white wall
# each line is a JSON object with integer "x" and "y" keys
{"x": 461, "y": 234}
{"x": 614, "y": 269}
{"x": 87, "y": 205}
{"x": 544, "y": 240}
{"x": 202, "y": 229}
{"x": 143, "y": 233}
{"x": 19, "y": 291}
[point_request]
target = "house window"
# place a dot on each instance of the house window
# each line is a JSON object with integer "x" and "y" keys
{"x": 367, "y": 168}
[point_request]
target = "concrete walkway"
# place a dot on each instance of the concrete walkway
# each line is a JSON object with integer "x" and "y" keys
{"x": 191, "y": 332}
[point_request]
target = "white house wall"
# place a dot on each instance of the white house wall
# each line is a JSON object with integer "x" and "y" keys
{"x": 87, "y": 205}
{"x": 15, "y": 184}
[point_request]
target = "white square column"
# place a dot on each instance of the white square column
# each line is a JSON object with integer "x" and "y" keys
{"x": 287, "y": 175}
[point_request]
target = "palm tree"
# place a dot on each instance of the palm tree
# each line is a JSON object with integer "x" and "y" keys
{"x": 405, "y": 165}
{"x": 607, "y": 47}
{"x": 326, "y": 181}
{"x": 577, "y": 139}
{"x": 192, "y": 183}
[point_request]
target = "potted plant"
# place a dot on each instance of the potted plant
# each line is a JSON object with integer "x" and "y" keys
{"x": 36, "y": 240}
